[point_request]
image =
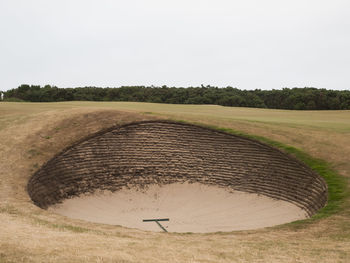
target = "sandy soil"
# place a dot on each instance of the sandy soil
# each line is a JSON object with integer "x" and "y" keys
{"x": 190, "y": 208}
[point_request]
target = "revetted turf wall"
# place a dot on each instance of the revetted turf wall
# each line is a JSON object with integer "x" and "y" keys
{"x": 163, "y": 152}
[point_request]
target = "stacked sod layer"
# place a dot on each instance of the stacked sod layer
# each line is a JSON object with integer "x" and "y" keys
{"x": 164, "y": 152}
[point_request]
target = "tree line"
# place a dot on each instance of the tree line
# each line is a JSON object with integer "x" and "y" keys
{"x": 287, "y": 98}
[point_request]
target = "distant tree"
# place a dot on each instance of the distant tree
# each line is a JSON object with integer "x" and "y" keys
{"x": 311, "y": 105}
{"x": 296, "y": 98}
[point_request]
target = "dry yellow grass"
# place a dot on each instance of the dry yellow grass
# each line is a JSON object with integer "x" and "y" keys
{"x": 32, "y": 133}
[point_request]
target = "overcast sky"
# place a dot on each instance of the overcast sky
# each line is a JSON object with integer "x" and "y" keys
{"x": 248, "y": 44}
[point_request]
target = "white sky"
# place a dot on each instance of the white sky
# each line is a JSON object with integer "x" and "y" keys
{"x": 247, "y": 44}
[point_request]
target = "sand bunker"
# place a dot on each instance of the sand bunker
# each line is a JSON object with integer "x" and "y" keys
{"x": 211, "y": 180}
{"x": 190, "y": 208}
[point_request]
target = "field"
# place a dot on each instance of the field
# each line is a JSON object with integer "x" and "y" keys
{"x": 32, "y": 133}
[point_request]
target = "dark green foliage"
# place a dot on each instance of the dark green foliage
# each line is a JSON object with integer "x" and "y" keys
{"x": 292, "y": 99}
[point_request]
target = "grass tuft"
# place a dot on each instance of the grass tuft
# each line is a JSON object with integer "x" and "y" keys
{"x": 62, "y": 227}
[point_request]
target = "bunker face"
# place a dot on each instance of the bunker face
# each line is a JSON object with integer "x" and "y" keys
{"x": 202, "y": 179}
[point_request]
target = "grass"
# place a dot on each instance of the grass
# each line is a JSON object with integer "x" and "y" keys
{"x": 33, "y": 132}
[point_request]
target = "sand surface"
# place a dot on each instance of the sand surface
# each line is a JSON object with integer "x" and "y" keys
{"x": 189, "y": 207}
